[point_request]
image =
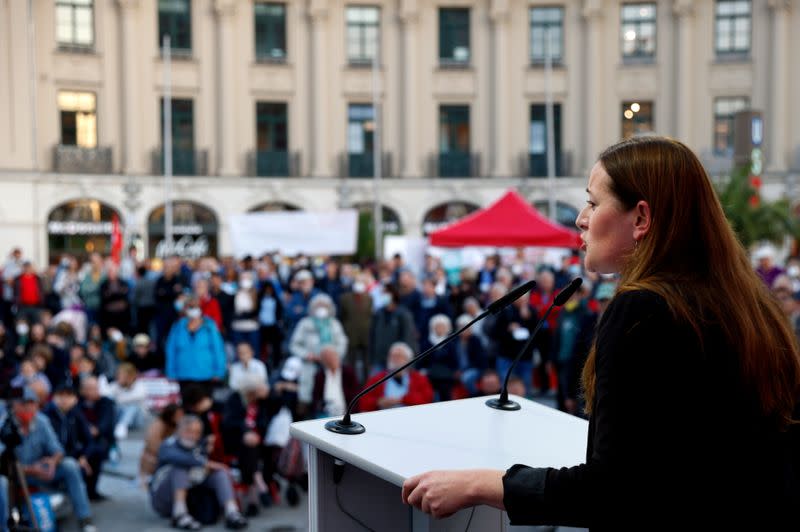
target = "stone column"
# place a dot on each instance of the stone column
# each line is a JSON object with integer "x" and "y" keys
{"x": 594, "y": 94}
{"x": 225, "y": 11}
{"x": 776, "y": 121}
{"x": 409, "y": 18}
{"x": 499, "y": 124}
{"x": 318, "y": 15}
{"x": 684, "y": 108}
{"x": 133, "y": 157}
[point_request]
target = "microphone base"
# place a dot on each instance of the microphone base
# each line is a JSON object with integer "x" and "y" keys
{"x": 497, "y": 404}
{"x": 351, "y": 428}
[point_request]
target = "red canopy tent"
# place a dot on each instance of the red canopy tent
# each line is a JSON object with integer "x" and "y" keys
{"x": 508, "y": 222}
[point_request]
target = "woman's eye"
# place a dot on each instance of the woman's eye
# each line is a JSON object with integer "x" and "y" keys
{"x": 591, "y": 204}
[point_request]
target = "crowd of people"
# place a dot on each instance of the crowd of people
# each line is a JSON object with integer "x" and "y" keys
{"x": 256, "y": 343}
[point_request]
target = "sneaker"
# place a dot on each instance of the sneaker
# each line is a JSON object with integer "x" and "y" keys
{"x": 235, "y": 521}
{"x": 87, "y": 525}
{"x": 251, "y": 510}
{"x": 114, "y": 455}
{"x": 185, "y": 522}
{"x": 121, "y": 431}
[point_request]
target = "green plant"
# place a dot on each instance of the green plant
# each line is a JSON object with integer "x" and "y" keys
{"x": 753, "y": 218}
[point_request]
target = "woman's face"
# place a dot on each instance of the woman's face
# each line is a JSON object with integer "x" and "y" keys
{"x": 606, "y": 229}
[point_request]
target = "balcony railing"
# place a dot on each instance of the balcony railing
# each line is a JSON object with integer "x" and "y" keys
{"x": 535, "y": 165}
{"x": 273, "y": 163}
{"x": 77, "y": 160}
{"x": 455, "y": 164}
{"x": 363, "y": 164}
{"x": 184, "y": 162}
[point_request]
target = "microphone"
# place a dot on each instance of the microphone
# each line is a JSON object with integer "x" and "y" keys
{"x": 347, "y": 426}
{"x": 503, "y": 402}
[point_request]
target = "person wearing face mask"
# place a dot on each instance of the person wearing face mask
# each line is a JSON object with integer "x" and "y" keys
{"x": 303, "y": 291}
{"x": 183, "y": 467}
{"x": 355, "y": 312}
{"x": 408, "y": 388}
{"x": 391, "y": 323}
{"x": 42, "y": 457}
{"x": 195, "y": 352}
{"x": 430, "y": 304}
{"x": 319, "y": 328}
{"x": 244, "y": 325}
{"x": 442, "y": 365}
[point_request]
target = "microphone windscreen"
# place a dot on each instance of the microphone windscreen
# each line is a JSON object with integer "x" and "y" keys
{"x": 567, "y": 292}
{"x": 516, "y": 293}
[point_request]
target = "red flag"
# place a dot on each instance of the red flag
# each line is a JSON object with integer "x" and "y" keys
{"x": 116, "y": 240}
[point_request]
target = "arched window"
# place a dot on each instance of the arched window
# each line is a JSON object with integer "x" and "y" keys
{"x": 194, "y": 231}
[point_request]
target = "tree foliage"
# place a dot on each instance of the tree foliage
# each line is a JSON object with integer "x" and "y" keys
{"x": 753, "y": 218}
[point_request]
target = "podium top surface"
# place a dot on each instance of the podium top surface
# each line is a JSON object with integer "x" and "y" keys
{"x": 466, "y": 434}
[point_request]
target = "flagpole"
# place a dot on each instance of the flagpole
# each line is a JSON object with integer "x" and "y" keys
{"x": 167, "y": 55}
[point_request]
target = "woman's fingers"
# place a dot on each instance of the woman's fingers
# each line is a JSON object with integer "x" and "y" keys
{"x": 408, "y": 487}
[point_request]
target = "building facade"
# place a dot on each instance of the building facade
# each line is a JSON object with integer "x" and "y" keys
{"x": 272, "y": 105}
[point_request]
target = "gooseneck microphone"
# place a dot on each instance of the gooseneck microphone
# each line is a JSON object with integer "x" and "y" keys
{"x": 348, "y": 426}
{"x": 503, "y": 402}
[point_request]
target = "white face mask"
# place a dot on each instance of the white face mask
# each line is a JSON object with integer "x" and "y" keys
{"x": 194, "y": 313}
{"x": 247, "y": 284}
{"x": 321, "y": 313}
{"x": 115, "y": 336}
{"x": 22, "y": 329}
{"x": 359, "y": 287}
{"x": 187, "y": 444}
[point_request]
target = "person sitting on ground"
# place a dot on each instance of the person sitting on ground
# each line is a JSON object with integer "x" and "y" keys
{"x": 488, "y": 384}
{"x": 70, "y": 426}
{"x": 143, "y": 354}
{"x": 516, "y": 386}
{"x": 28, "y": 372}
{"x": 159, "y": 430}
{"x": 246, "y": 366}
{"x": 244, "y": 424}
{"x": 99, "y": 412}
{"x": 335, "y": 385}
{"x": 182, "y": 466}
{"x": 42, "y": 457}
{"x": 129, "y": 394}
{"x": 407, "y": 388}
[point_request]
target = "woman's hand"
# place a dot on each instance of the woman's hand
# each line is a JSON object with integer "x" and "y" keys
{"x": 443, "y": 493}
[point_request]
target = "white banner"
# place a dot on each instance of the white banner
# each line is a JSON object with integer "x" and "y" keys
{"x": 311, "y": 233}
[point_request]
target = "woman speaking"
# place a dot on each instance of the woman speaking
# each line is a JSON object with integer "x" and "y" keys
{"x": 693, "y": 381}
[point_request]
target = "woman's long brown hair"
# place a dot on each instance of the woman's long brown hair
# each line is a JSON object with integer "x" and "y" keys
{"x": 692, "y": 258}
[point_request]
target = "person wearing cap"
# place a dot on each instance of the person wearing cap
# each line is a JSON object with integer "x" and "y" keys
{"x": 302, "y": 292}
{"x": 143, "y": 356}
{"x": 766, "y": 268}
{"x": 42, "y": 457}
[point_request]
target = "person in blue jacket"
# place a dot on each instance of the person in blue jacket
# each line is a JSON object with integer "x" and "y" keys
{"x": 195, "y": 352}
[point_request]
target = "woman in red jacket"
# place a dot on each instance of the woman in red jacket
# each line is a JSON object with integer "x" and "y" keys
{"x": 407, "y": 388}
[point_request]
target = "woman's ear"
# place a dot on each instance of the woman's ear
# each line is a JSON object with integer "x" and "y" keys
{"x": 642, "y": 220}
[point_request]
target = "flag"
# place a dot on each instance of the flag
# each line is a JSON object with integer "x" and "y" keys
{"x": 116, "y": 240}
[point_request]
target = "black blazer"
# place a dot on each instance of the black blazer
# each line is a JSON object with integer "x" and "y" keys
{"x": 233, "y": 421}
{"x": 673, "y": 442}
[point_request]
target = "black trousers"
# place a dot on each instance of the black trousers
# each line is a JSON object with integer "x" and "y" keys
{"x": 258, "y": 458}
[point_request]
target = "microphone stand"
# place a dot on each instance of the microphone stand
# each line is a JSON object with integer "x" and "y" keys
{"x": 348, "y": 426}
{"x": 503, "y": 402}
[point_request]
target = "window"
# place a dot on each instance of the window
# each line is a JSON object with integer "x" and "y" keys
{"x": 724, "y": 110}
{"x": 363, "y": 32}
{"x": 454, "y": 151}
{"x": 637, "y": 118}
{"x": 75, "y": 23}
{"x": 270, "y": 31}
{"x": 175, "y": 20}
{"x": 360, "y": 140}
{"x": 454, "y": 36}
{"x": 272, "y": 139}
{"x": 183, "y": 156}
{"x": 732, "y": 27}
{"x": 537, "y": 148}
{"x": 78, "y": 112}
{"x": 638, "y": 31}
{"x": 547, "y": 21}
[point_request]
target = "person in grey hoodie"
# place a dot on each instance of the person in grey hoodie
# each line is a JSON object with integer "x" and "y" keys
{"x": 183, "y": 465}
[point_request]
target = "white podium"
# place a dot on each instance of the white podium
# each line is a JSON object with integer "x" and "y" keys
{"x": 402, "y": 442}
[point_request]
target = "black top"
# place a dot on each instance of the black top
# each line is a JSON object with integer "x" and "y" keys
{"x": 673, "y": 438}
